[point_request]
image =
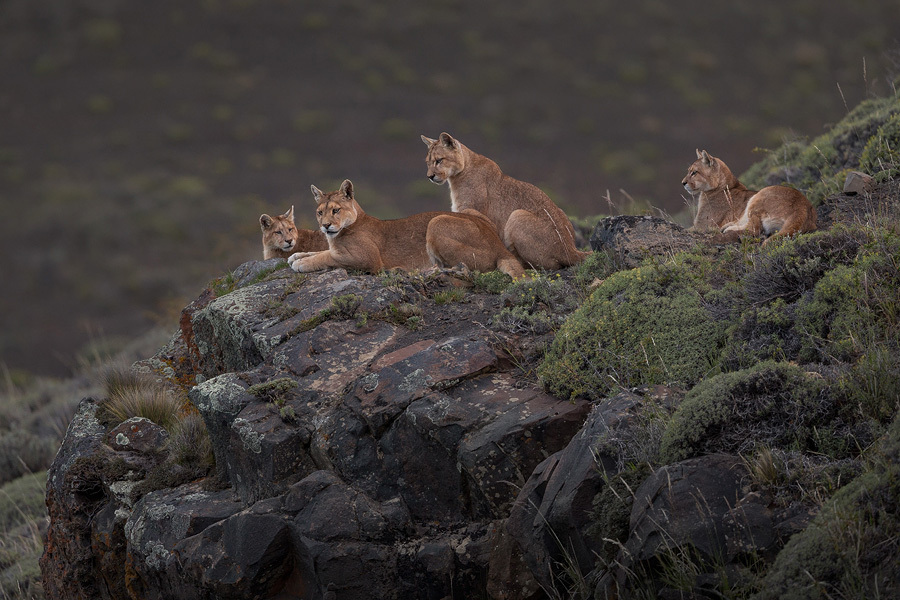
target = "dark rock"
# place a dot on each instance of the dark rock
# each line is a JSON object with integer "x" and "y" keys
{"x": 138, "y": 435}
{"x": 75, "y": 492}
{"x": 630, "y": 239}
{"x": 552, "y": 513}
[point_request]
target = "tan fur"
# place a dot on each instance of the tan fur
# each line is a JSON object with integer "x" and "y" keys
{"x": 722, "y": 198}
{"x": 528, "y": 222}
{"x": 726, "y": 204}
{"x": 281, "y": 238}
{"x": 359, "y": 241}
{"x": 775, "y": 211}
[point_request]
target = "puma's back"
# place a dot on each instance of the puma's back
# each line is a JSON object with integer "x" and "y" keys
{"x": 526, "y": 219}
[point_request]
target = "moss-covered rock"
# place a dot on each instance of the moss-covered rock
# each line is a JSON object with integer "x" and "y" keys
{"x": 643, "y": 326}
{"x": 819, "y": 167}
{"x": 851, "y": 548}
{"x": 772, "y": 404}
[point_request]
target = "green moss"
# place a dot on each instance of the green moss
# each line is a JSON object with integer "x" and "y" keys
{"x": 223, "y": 285}
{"x": 773, "y": 404}
{"x": 345, "y": 307}
{"x": 818, "y": 167}
{"x": 643, "y": 326}
{"x": 851, "y": 548}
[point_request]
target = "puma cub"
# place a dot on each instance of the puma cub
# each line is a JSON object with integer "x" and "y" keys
{"x": 359, "y": 241}
{"x": 726, "y": 204}
{"x": 280, "y": 237}
{"x": 528, "y": 222}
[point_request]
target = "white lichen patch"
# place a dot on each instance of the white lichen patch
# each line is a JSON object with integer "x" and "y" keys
{"x": 251, "y": 440}
{"x": 122, "y": 439}
{"x": 416, "y": 380}
{"x": 219, "y": 395}
{"x": 122, "y": 492}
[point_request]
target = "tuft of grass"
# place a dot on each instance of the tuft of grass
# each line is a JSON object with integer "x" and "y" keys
{"x": 137, "y": 396}
{"x": 492, "y": 282}
{"x": 188, "y": 443}
{"x": 452, "y": 295}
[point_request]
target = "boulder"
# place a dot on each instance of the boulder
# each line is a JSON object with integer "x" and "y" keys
{"x": 631, "y": 238}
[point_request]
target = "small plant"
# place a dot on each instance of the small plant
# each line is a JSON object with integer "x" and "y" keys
{"x": 223, "y": 285}
{"x": 492, "y": 282}
{"x": 406, "y": 314}
{"x": 275, "y": 391}
{"x": 452, "y": 295}
{"x": 345, "y": 307}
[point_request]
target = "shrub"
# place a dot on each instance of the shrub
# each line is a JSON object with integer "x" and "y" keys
{"x": 772, "y": 404}
{"x": 275, "y": 391}
{"x": 643, "y": 326}
{"x": 789, "y": 269}
{"x": 492, "y": 282}
{"x": 597, "y": 266}
{"x": 881, "y": 156}
{"x": 850, "y": 550}
{"x": 537, "y": 305}
{"x": 763, "y": 333}
{"x": 818, "y": 167}
{"x": 21, "y": 452}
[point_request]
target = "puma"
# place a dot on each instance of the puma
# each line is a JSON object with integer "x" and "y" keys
{"x": 357, "y": 240}
{"x": 281, "y": 238}
{"x": 531, "y": 226}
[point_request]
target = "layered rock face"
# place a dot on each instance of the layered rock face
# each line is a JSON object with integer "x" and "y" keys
{"x": 384, "y": 470}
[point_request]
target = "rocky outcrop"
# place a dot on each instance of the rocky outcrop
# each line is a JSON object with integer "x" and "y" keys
{"x": 381, "y": 464}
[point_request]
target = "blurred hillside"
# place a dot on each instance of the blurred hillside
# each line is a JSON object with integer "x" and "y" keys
{"x": 141, "y": 141}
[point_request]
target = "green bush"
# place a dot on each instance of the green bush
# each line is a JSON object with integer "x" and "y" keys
{"x": 189, "y": 444}
{"x": 818, "y": 167}
{"x": 773, "y": 404}
{"x": 763, "y": 333}
{"x": 643, "y": 326}
{"x": 851, "y": 548}
{"x": 881, "y": 156}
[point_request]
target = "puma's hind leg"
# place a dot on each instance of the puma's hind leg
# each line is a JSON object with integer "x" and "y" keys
{"x": 541, "y": 242}
{"x": 452, "y": 240}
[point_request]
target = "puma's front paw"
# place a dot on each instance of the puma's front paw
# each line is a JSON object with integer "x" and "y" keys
{"x": 298, "y": 255}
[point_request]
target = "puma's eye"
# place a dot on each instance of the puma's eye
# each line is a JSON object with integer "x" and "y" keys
{"x": 693, "y": 173}
{"x": 319, "y": 213}
{"x": 438, "y": 161}
{"x": 335, "y": 211}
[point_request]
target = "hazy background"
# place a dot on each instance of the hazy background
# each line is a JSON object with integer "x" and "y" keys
{"x": 140, "y": 141}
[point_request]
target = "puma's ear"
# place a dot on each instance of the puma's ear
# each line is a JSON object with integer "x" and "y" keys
{"x": 428, "y": 141}
{"x": 347, "y": 188}
{"x": 289, "y": 215}
{"x": 699, "y": 156}
{"x": 265, "y": 221}
{"x": 317, "y": 193}
{"x": 707, "y": 159}
{"x": 448, "y": 141}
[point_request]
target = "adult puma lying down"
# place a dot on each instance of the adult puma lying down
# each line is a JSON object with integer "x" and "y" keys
{"x": 359, "y": 241}
{"x": 526, "y": 219}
